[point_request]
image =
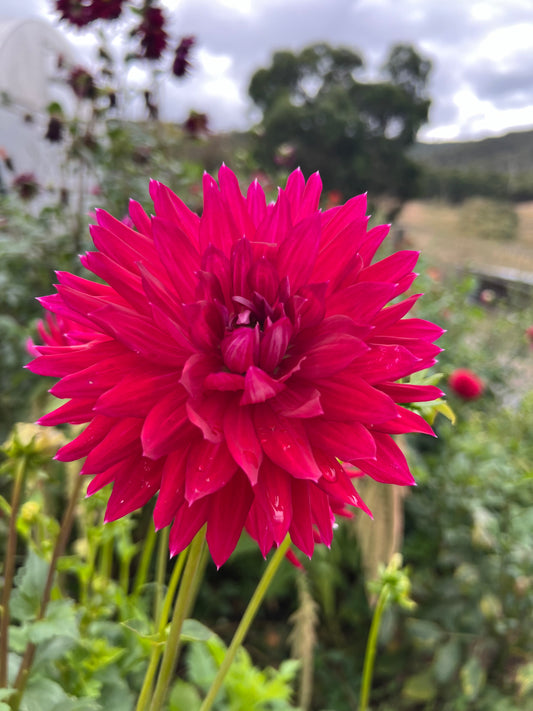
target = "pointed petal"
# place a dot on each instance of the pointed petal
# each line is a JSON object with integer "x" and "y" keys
{"x": 390, "y": 466}
{"x": 172, "y": 491}
{"x": 345, "y": 440}
{"x": 164, "y": 423}
{"x": 322, "y": 515}
{"x": 298, "y": 252}
{"x": 301, "y": 529}
{"x": 298, "y": 400}
{"x": 120, "y": 442}
{"x": 207, "y": 413}
{"x": 227, "y": 517}
{"x": 75, "y": 412}
{"x": 179, "y": 256}
{"x": 209, "y": 468}
{"x": 169, "y": 206}
{"x": 386, "y": 363}
{"x": 242, "y": 440}
{"x": 274, "y": 495}
{"x": 345, "y": 396}
{"x": 187, "y": 522}
{"x": 274, "y": 342}
{"x": 404, "y": 392}
{"x": 91, "y": 436}
{"x": 406, "y": 421}
{"x": 240, "y": 349}
{"x": 133, "y": 488}
{"x": 258, "y": 386}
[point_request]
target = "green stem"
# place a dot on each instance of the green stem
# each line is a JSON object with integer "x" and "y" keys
{"x": 245, "y": 623}
{"x": 59, "y": 549}
{"x": 188, "y": 587}
{"x": 371, "y": 647}
{"x": 161, "y": 623}
{"x": 9, "y": 567}
{"x": 144, "y": 563}
{"x": 160, "y": 571}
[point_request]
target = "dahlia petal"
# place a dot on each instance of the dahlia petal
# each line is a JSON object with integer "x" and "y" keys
{"x": 406, "y": 421}
{"x": 178, "y": 254}
{"x": 423, "y": 350}
{"x": 416, "y": 328}
{"x": 119, "y": 250}
{"x": 313, "y": 307}
{"x": 217, "y": 226}
{"x": 299, "y": 399}
{"x": 361, "y": 301}
{"x": 333, "y": 258}
{"x": 374, "y": 239}
{"x": 301, "y": 528}
{"x": 207, "y": 413}
{"x": 58, "y": 361}
{"x": 224, "y": 381}
{"x": 91, "y": 436}
{"x": 274, "y": 342}
{"x": 207, "y": 325}
{"x": 75, "y": 412}
{"x": 338, "y": 219}
{"x": 298, "y": 252}
{"x": 216, "y": 262}
{"x": 294, "y": 189}
{"x": 392, "y": 268}
{"x": 135, "y": 241}
{"x": 85, "y": 285}
{"x": 231, "y": 192}
{"x": 208, "y": 287}
{"x": 259, "y": 386}
{"x": 140, "y": 219}
{"x": 84, "y": 303}
{"x": 96, "y": 379}
{"x": 57, "y": 305}
{"x": 349, "y": 274}
{"x": 227, "y": 517}
{"x": 163, "y": 423}
{"x": 188, "y": 521}
{"x": 258, "y": 528}
{"x": 133, "y": 489}
{"x": 311, "y": 196}
{"x": 393, "y": 313}
{"x": 346, "y": 396}
{"x": 242, "y": 440}
{"x": 256, "y": 201}
{"x": 209, "y": 468}
{"x": 171, "y": 208}
{"x": 388, "y": 362}
{"x": 331, "y": 355}
{"x": 276, "y": 226}
{"x": 285, "y": 442}
{"x": 138, "y": 334}
{"x": 240, "y": 349}
{"x": 172, "y": 490}
{"x": 404, "y": 392}
{"x": 338, "y": 485}
{"x": 345, "y": 440}
{"x": 322, "y": 515}
{"x": 241, "y": 262}
{"x": 263, "y": 279}
{"x": 106, "y": 477}
{"x": 195, "y": 371}
{"x": 124, "y": 282}
{"x": 274, "y": 495}
{"x": 390, "y": 466}
{"x": 134, "y": 392}
{"x": 120, "y": 442}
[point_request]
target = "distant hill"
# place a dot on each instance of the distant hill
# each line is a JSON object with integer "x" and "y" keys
{"x": 509, "y": 154}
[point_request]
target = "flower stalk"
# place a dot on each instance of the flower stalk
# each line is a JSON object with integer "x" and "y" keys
{"x": 246, "y": 621}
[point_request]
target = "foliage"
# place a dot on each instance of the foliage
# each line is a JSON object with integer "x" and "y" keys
{"x": 489, "y": 219}
{"x": 355, "y": 133}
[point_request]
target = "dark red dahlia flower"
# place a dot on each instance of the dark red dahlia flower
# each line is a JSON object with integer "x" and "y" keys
{"x": 466, "y": 384}
{"x": 106, "y": 9}
{"x": 82, "y": 83}
{"x": 152, "y": 33}
{"x": 181, "y": 60}
{"x": 77, "y": 12}
{"x": 237, "y": 359}
{"x": 26, "y": 185}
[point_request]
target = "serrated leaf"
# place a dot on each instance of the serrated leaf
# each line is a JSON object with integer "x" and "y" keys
{"x": 60, "y": 621}
{"x": 43, "y": 695}
{"x": 473, "y": 678}
{"x": 29, "y": 585}
{"x": 184, "y": 697}
{"x": 195, "y": 631}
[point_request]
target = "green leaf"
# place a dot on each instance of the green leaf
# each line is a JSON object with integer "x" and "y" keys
{"x": 446, "y": 661}
{"x": 424, "y": 633}
{"x": 195, "y": 631}
{"x": 184, "y": 697}
{"x": 473, "y": 678}
{"x": 524, "y": 679}
{"x": 60, "y": 621}
{"x": 43, "y": 695}
{"x": 420, "y": 688}
{"x": 29, "y": 586}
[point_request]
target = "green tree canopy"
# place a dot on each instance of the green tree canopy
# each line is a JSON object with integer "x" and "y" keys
{"x": 355, "y": 133}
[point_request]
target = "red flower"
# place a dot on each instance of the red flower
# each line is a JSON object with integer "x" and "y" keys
{"x": 153, "y": 36}
{"x": 236, "y": 359}
{"x": 82, "y": 83}
{"x": 181, "y": 61}
{"x": 83, "y": 12}
{"x": 466, "y": 384}
{"x": 26, "y": 185}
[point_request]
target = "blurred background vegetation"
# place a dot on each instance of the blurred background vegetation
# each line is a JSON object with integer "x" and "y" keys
{"x": 465, "y": 531}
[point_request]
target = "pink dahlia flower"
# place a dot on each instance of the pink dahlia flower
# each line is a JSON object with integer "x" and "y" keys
{"x": 236, "y": 360}
{"x": 466, "y": 384}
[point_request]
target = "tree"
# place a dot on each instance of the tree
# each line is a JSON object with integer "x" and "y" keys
{"x": 355, "y": 133}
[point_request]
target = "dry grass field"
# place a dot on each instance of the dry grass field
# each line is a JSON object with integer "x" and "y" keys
{"x": 436, "y": 229}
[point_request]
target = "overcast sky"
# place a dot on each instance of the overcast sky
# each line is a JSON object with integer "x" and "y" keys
{"x": 482, "y": 53}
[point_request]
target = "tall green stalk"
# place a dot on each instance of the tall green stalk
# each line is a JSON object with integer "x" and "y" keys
{"x": 371, "y": 647}
{"x": 245, "y": 623}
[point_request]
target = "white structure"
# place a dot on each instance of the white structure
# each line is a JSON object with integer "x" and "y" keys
{"x": 30, "y": 50}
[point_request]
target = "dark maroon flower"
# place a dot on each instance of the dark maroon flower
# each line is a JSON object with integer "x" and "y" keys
{"x": 54, "y": 132}
{"x": 82, "y": 83}
{"x": 196, "y": 124}
{"x": 77, "y": 12}
{"x": 26, "y": 185}
{"x": 106, "y": 9}
{"x": 153, "y": 36}
{"x": 181, "y": 61}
